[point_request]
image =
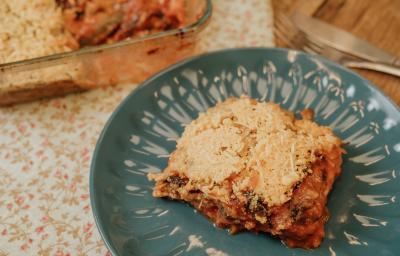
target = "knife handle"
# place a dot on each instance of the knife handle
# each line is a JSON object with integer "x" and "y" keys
{"x": 375, "y": 66}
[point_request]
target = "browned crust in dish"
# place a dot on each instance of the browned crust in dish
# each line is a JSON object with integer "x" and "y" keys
{"x": 37, "y": 28}
{"x": 298, "y": 221}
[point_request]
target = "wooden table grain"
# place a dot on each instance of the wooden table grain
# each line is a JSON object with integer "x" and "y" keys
{"x": 376, "y": 21}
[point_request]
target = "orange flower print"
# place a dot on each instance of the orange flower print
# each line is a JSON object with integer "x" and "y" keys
{"x": 46, "y": 149}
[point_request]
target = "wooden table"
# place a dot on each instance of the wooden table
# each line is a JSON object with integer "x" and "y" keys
{"x": 376, "y": 21}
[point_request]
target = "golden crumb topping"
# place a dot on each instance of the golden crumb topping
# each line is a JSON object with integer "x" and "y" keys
{"x": 260, "y": 147}
{"x": 30, "y": 29}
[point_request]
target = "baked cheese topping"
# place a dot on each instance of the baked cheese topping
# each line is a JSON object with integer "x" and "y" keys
{"x": 259, "y": 146}
{"x": 30, "y": 29}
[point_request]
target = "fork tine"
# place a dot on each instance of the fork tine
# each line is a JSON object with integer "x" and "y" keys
{"x": 300, "y": 38}
{"x": 294, "y": 37}
{"x": 285, "y": 30}
{"x": 314, "y": 43}
{"x": 306, "y": 48}
{"x": 314, "y": 47}
{"x": 284, "y": 37}
{"x": 286, "y": 25}
{"x": 285, "y": 21}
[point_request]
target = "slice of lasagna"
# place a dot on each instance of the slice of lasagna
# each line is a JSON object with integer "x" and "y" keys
{"x": 252, "y": 166}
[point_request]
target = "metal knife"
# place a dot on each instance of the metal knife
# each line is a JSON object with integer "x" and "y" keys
{"x": 342, "y": 40}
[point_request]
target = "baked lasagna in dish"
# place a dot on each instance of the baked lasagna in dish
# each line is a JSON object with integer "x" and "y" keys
{"x": 94, "y": 22}
{"x": 253, "y": 166}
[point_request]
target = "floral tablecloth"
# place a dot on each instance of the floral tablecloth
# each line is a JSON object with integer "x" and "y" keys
{"x": 46, "y": 149}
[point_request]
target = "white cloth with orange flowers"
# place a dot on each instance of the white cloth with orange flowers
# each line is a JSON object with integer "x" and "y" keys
{"x": 46, "y": 149}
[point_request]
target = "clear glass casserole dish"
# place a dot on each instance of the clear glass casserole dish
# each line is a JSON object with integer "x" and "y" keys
{"x": 131, "y": 60}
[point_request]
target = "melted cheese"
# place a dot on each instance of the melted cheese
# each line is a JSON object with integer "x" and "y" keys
{"x": 259, "y": 146}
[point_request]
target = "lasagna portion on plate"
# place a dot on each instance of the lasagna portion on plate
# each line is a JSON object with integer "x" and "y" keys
{"x": 253, "y": 166}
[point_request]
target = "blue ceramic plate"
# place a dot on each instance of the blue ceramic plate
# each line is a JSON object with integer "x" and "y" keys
{"x": 140, "y": 135}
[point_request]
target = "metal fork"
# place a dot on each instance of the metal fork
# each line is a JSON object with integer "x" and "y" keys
{"x": 286, "y": 30}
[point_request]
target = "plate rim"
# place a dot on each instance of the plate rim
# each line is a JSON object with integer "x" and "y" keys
{"x": 139, "y": 87}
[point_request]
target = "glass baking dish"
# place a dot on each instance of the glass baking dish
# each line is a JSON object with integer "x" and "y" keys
{"x": 131, "y": 60}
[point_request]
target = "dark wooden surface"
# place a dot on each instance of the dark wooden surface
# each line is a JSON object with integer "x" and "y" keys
{"x": 377, "y": 21}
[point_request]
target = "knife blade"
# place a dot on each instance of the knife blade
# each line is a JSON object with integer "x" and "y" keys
{"x": 341, "y": 40}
